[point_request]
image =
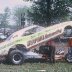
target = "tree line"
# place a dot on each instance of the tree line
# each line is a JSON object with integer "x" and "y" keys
{"x": 42, "y": 12}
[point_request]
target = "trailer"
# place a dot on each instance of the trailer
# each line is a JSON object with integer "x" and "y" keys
{"x": 31, "y": 42}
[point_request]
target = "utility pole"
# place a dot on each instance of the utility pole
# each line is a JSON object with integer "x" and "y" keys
{"x": 22, "y": 20}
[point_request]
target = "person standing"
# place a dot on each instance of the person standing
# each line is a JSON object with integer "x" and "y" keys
{"x": 51, "y": 53}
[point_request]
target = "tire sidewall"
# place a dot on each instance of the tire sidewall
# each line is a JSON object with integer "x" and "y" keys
{"x": 16, "y": 52}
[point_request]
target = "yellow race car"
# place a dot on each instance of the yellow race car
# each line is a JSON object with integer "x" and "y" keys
{"x": 20, "y": 45}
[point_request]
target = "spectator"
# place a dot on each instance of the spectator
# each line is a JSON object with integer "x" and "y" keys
{"x": 51, "y": 53}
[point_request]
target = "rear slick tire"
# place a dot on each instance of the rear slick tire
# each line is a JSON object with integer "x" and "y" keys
{"x": 68, "y": 58}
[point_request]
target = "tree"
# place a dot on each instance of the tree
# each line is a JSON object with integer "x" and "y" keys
{"x": 70, "y": 3}
{"x": 46, "y": 12}
{"x": 20, "y": 15}
{"x": 5, "y": 18}
{"x": 70, "y": 9}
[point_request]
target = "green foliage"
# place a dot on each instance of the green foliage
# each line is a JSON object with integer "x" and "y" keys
{"x": 70, "y": 1}
{"x": 4, "y": 18}
{"x": 18, "y": 11}
{"x": 46, "y": 12}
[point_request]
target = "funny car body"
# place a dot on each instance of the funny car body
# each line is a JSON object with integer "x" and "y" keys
{"x": 21, "y": 44}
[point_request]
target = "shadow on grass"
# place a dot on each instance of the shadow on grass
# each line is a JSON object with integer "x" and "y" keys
{"x": 27, "y": 61}
{"x": 35, "y": 61}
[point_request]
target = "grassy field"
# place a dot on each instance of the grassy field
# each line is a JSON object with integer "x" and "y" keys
{"x": 37, "y": 67}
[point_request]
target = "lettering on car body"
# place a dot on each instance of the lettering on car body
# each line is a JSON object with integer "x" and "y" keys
{"x": 43, "y": 37}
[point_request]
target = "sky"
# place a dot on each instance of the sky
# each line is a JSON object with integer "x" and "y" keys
{"x": 11, "y": 4}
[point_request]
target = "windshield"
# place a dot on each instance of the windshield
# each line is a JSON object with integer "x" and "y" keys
{"x": 33, "y": 30}
{"x": 25, "y": 33}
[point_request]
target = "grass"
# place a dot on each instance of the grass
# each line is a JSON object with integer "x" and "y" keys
{"x": 36, "y": 67}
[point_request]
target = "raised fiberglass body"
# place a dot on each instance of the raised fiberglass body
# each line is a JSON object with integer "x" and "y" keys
{"x": 32, "y": 36}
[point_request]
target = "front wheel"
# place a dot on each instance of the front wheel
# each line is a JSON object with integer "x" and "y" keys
{"x": 16, "y": 57}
